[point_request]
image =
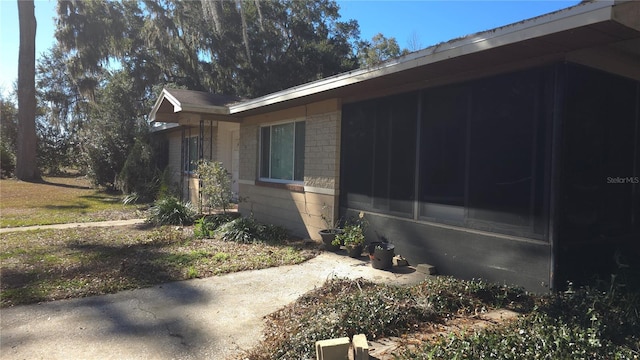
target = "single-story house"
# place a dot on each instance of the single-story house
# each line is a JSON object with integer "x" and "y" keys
{"x": 189, "y": 122}
{"x": 511, "y": 155}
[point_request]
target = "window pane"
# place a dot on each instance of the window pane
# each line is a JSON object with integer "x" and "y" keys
{"x": 299, "y": 151}
{"x": 504, "y": 127}
{"x": 357, "y": 154}
{"x": 381, "y": 149}
{"x": 443, "y": 153}
{"x": 282, "y": 137}
{"x": 265, "y": 145}
{"x": 600, "y": 147}
{"x": 402, "y": 153}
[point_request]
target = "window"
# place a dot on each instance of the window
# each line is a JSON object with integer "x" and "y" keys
{"x": 282, "y": 152}
{"x": 190, "y": 153}
{"x": 483, "y": 153}
{"x": 507, "y": 151}
{"x": 378, "y": 149}
{"x": 443, "y": 153}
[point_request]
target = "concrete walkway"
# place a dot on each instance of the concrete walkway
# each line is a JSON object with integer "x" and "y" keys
{"x": 74, "y": 225}
{"x": 212, "y": 318}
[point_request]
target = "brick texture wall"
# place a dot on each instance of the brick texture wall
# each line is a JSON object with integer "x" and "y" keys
{"x": 302, "y": 212}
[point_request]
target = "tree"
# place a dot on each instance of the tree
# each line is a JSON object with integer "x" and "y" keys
{"x": 26, "y": 166}
{"x": 8, "y": 136}
{"x": 245, "y": 48}
{"x": 114, "y": 122}
{"x": 378, "y": 50}
{"x": 62, "y": 110}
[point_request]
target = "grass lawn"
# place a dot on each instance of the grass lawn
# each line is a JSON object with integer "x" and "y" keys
{"x": 59, "y": 200}
{"x": 45, "y": 265}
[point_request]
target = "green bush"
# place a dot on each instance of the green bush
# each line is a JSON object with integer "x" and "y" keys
{"x": 139, "y": 175}
{"x": 170, "y": 211}
{"x": 216, "y": 184}
{"x": 7, "y": 160}
{"x": 248, "y": 230}
{"x": 205, "y": 226}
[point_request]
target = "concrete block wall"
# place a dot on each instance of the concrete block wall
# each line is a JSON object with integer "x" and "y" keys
{"x": 338, "y": 348}
{"x": 333, "y": 349}
{"x": 299, "y": 207}
{"x": 322, "y": 146}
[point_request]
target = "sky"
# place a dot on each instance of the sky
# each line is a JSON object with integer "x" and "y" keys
{"x": 420, "y": 22}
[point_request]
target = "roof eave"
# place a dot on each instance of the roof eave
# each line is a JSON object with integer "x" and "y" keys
{"x": 563, "y": 20}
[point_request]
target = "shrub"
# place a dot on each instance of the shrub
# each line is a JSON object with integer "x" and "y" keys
{"x": 216, "y": 184}
{"x": 138, "y": 174}
{"x": 273, "y": 233}
{"x": 7, "y": 159}
{"x": 248, "y": 230}
{"x": 170, "y": 211}
{"x": 206, "y": 225}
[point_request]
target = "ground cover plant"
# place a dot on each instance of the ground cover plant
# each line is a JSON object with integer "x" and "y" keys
{"x": 49, "y": 265}
{"x": 348, "y": 307}
{"x": 587, "y": 323}
{"x": 59, "y": 200}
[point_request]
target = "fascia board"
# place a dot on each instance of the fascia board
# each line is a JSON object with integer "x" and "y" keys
{"x": 218, "y": 110}
{"x": 563, "y": 20}
{"x": 164, "y": 95}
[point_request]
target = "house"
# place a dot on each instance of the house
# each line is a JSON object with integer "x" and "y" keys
{"x": 511, "y": 155}
{"x": 188, "y": 122}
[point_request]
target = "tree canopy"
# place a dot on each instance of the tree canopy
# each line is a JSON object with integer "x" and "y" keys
{"x": 244, "y": 48}
{"x": 96, "y": 86}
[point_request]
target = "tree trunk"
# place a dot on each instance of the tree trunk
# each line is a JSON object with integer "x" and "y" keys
{"x": 26, "y": 168}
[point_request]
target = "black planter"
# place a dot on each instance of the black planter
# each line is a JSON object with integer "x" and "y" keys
{"x": 381, "y": 255}
{"x": 328, "y": 235}
{"x": 355, "y": 251}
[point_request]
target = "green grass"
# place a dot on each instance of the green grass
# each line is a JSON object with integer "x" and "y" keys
{"x": 47, "y": 265}
{"x": 59, "y": 200}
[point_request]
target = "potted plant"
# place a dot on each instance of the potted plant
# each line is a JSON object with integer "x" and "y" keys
{"x": 352, "y": 236}
{"x": 381, "y": 255}
{"x": 329, "y": 234}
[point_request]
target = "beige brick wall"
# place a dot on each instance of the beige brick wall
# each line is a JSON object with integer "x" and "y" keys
{"x": 322, "y": 144}
{"x": 300, "y": 212}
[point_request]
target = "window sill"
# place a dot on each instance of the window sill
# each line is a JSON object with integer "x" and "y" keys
{"x": 282, "y": 186}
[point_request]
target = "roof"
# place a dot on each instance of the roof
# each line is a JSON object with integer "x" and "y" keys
{"x": 181, "y": 100}
{"x": 549, "y": 36}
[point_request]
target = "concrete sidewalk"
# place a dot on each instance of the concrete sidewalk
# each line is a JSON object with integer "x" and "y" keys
{"x": 212, "y": 318}
{"x": 75, "y": 225}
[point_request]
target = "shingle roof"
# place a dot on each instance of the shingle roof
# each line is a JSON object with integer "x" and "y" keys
{"x": 201, "y": 98}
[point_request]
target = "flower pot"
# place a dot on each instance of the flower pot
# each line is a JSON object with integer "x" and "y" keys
{"x": 328, "y": 235}
{"x": 381, "y": 255}
{"x": 355, "y": 251}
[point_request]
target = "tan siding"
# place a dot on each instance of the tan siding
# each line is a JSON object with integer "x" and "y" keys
{"x": 175, "y": 156}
